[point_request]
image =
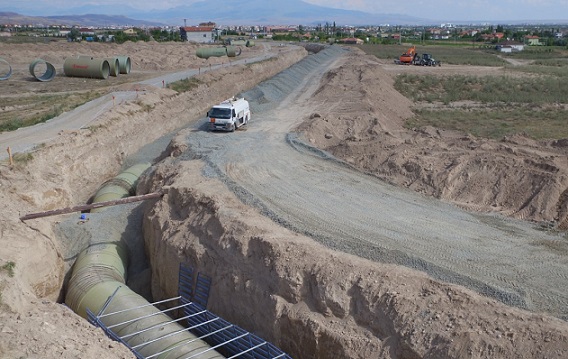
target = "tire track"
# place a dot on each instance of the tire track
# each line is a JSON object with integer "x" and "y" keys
{"x": 313, "y": 193}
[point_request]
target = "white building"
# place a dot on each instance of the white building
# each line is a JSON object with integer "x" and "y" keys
{"x": 199, "y": 34}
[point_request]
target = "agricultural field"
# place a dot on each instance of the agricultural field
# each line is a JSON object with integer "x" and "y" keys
{"x": 527, "y": 97}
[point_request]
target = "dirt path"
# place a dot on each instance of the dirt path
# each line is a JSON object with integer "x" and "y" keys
{"x": 358, "y": 214}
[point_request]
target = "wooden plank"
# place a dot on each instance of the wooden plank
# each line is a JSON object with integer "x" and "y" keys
{"x": 85, "y": 207}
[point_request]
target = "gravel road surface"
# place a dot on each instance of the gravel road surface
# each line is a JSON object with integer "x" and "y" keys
{"x": 311, "y": 192}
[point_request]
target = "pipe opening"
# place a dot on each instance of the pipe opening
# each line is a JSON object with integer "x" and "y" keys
{"x": 7, "y": 74}
{"x": 42, "y": 70}
{"x": 114, "y": 66}
{"x": 124, "y": 64}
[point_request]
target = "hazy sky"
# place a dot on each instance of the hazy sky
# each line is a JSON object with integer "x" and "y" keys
{"x": 427, "y": 9}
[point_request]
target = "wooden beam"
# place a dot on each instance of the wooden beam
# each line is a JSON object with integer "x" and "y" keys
{"x": 85, "y": 207}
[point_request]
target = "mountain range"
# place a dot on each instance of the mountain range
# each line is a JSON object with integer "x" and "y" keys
{"x": 222, "y": 12}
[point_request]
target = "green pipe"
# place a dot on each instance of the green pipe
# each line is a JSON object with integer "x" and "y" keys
{"x": 124, "y": 64}
{"x": 114, "y": 65}
{"x": 83, "y": 66}
{"x": 238, "y": 42}
{"x": 100, "y": 272}
{"x": 7, "y": 75}
{"x": 49, "y": 73}
{"x": 207, "y": 52}
{"x": 121, "y": 186}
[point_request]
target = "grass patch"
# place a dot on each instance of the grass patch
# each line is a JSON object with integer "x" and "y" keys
{"x": 560, "y": 71}
{"x": 30, "y": 110}
{"x": 185, "y": 85}
{"x": 9, "y": 267}
{"x": 535, "y": 122}
{"x": 486, "y": 89}
{"x": 540, "y": 53}
{"x": 22, "y": 158}
{"x": 456, "y": 55}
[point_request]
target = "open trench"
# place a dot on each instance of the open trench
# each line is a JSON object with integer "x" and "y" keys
{"x": 225, "y": 193}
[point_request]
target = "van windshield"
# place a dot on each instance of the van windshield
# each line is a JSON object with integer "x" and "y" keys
{"x": 220, "y": 113}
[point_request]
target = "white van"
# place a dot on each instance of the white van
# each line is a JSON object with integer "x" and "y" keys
{"x": 229, "y": 114}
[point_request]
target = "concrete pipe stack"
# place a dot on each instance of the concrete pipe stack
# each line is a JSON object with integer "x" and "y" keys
{"x": 207, "y": 52}
{"x": 97, "y": 68}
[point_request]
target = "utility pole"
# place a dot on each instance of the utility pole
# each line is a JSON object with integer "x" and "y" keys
{"x": 184, "y": 22}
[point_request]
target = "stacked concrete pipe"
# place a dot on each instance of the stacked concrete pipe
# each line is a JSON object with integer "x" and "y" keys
{"x": 124, "y": 64}
{"x": 114, "y": 65}
{"x": 100, "y": 272}
{"x": 207, "y": 52}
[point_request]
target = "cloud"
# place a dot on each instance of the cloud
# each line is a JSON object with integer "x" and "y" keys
{"x": 458, "y": 9}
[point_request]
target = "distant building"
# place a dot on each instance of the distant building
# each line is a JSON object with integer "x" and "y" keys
{"x": 130, "y": 32}
{"x": 353, "y": 41}
{"x": 510, "y": 46}
{"x": 199, "y": 34}
{"x": 533, "y": 40}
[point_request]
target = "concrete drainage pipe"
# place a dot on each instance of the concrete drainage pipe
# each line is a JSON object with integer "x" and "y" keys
{"x": 84, "y": 66}
{"x": 124, "y": 64}
{"x": 114, "y": 66}
{"x": 47, "y": 75}
{"x": 207, "y": 52}
{"x": 101, "y": 269}
{"x": 7, "y": 75}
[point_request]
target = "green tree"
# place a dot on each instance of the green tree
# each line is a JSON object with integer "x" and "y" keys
{"x": 74, "y": 34}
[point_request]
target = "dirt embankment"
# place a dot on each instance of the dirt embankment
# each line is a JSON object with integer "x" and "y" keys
{"x": 309, "y": 300}
{"x": 66, "y": 172}
{"x": 317, "y": 303}
{"x": 515, "y": 176}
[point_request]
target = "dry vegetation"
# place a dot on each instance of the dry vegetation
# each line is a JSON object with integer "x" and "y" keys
{"x": 526, "y": 99}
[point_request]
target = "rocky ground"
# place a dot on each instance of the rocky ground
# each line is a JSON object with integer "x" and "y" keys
{"x": 381, "y": 311}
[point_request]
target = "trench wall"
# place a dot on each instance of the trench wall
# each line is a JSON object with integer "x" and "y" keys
{"x": 309, "y": 300}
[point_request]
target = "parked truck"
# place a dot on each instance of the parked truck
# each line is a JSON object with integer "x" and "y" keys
{"x": 229, "y": 114}
{"x": 411, "y": 57}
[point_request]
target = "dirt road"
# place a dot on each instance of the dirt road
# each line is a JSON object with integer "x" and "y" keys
{"x": 317, "y": 195}
{"x": 26, "y": 138}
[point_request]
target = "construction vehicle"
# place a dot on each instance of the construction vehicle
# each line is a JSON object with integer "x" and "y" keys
{"x": 428, "y": 60}
{"x": 408, "y": 58}
{"x": 229, "y": 114}
{"x": 411, "y": 57}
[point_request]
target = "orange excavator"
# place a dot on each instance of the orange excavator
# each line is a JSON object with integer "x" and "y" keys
{"x": 409, "y": 57}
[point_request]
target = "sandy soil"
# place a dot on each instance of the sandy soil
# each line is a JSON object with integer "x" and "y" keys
{"x": 67, "y": 170}
{"x": 381, "y": 311}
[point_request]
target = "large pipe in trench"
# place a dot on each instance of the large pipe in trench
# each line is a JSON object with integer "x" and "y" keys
{"x": 100, "y": 271}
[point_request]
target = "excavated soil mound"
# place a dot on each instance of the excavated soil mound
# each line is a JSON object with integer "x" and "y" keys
{"x": 364, "y": 125}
